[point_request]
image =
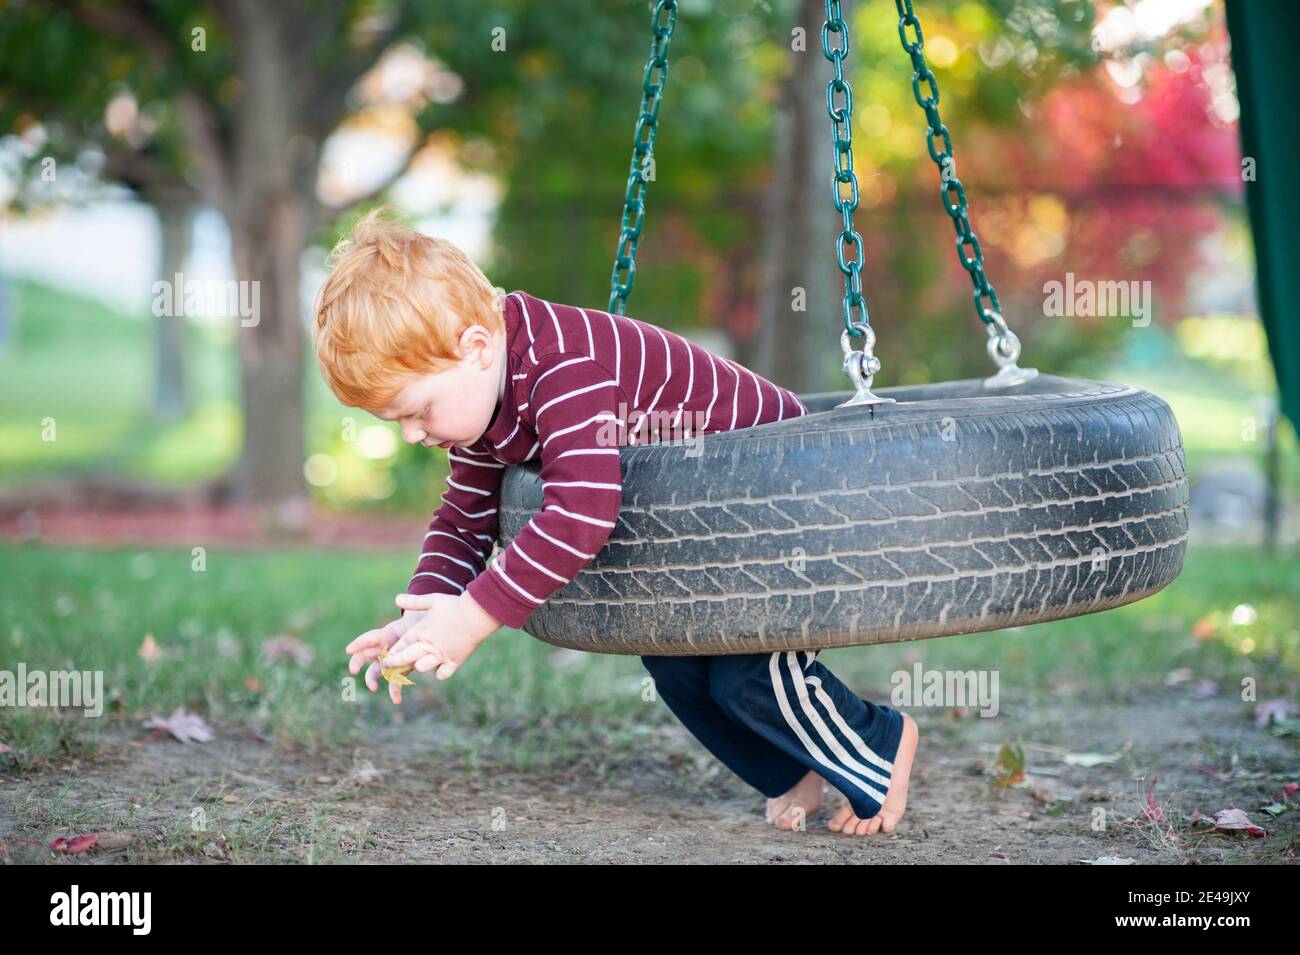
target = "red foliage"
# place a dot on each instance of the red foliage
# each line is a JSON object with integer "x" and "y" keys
{"x": 1143, "y": 181}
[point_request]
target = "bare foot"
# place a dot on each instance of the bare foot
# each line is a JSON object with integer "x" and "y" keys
{"x": 803, "y": 799}
{"x": 895, "y": 799}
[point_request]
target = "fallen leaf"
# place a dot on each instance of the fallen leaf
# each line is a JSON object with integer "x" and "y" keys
{"x": 1235, "y": 819}
{"x": 1089, "y": 759}
{"x": 186, "y": 727}
{"x": 1009, "y": 768}
{"x": 1153, "y": 810}
{"x": 1274, "y": 711}
{"x": 364, "y": 771}
{"x": 75, "y": 844}
{"x": 1221, "y": 777}
{"x": 395, "y": 674}
{"x": 149, "y": 649}
{"x": 287, "y": 647}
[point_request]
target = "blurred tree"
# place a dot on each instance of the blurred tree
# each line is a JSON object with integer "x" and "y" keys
{"x": 796, "y": 329}
{"x": 240, "y": 96}
{"x": 1066, "y": 168}
{"x": 117, "y": 150}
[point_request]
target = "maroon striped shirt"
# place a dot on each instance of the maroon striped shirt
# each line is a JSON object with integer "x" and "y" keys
{"x": 579, "y": 383}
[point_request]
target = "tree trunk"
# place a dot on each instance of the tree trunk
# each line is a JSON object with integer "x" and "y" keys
{"x": 799, "y": 349}
{"x": 270, "y": 215}
{"x": 267, "y": 251}
{"x": 169, "y": 400}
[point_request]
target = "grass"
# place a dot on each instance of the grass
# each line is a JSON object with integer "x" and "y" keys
{"x": 87, "y": 370}
{"x": 99, "y": 606}
{"x": 532, "y": 704}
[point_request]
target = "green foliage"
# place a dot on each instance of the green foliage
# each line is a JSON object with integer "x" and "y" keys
{"x": 552, "y": 116}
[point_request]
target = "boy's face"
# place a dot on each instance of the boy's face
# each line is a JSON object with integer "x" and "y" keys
{"x": 453, "y": 406}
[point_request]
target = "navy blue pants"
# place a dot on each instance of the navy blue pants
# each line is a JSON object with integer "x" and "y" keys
{"x": 772, "y": 717}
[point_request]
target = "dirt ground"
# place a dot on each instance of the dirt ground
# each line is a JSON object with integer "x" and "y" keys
{"x": 242, "y": 799}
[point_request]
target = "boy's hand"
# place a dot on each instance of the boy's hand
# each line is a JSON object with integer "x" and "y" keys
{"x": 369, "y": 645}
{"x": 450, "y": 628}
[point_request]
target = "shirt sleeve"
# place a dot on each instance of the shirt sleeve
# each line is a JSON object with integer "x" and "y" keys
{"x": 574, "y": 400}
{"x": 464, "y": 527}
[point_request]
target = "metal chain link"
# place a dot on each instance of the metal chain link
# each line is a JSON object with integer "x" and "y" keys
{"x": 643, "y": 141}
{"x": 860, "y": 366}
{"x": 1003, "y": 345}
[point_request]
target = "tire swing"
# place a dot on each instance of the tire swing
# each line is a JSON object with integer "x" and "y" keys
{"x": 924, "y": 511}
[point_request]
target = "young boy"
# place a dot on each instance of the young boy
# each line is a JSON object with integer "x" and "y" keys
{"x": 408, "y": 328}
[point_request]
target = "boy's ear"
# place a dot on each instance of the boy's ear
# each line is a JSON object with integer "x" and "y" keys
{"x": 476, "y": 335}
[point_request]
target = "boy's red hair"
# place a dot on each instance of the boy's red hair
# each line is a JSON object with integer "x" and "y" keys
{"x": 396, "y": 301}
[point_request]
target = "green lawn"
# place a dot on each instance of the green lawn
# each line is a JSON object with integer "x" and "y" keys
{"x": 90, "y": 369}
{"x": 91, "y": 610}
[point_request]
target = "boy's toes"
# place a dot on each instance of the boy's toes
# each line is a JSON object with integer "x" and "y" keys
{"x": 775, "y": 807}
{"x": 785, "y": 813}
{"x": 787, "y": 819}
{"x": 842, "y": 819}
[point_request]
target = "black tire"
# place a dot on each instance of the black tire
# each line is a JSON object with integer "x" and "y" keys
{"x": 956, "y": 510}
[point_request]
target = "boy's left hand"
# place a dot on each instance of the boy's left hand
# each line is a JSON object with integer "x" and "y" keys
{"x": 443, "y": 639}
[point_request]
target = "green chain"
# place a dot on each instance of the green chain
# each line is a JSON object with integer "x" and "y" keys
{"x": 952, "y": 192}
{"x": 860, "y": 366}
{"x": 642, "y": 149}
{"x": 842, "y": 135}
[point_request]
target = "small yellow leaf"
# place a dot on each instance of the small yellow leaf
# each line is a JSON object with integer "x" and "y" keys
{"x": 149, "y": 649}
{"x": 396, "y": 674}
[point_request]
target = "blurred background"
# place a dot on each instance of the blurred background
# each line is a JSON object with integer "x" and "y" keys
{"x": 1098, "y": 140}
{"x": 237, "y": 141}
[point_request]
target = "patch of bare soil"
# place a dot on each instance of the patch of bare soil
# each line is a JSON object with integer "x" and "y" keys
{"x": 179, "y": 519}
{"x": 404, "y": 799}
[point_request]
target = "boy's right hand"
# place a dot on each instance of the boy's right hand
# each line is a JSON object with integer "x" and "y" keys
{"x": 368, "y": 646}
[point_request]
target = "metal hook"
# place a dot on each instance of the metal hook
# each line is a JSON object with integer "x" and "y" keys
{"x": 1004, "y": 348}
{"x": 861, "y": 367}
